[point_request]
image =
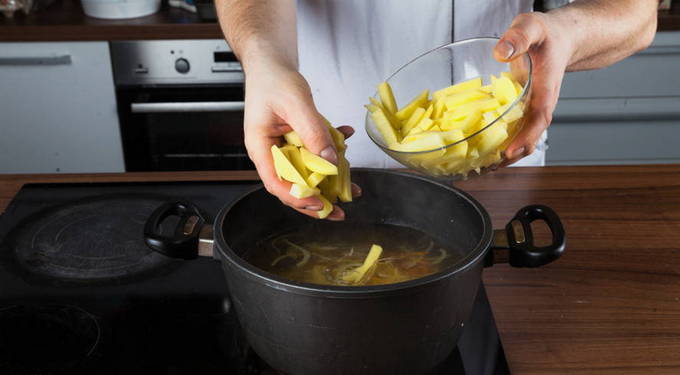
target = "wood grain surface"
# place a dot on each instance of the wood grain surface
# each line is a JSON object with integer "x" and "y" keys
{"x": 610, "y": 305}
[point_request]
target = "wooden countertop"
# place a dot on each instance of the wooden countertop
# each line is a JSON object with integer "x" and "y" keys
{"x": 610, "y": 305}
{"x": 65, "y": 21}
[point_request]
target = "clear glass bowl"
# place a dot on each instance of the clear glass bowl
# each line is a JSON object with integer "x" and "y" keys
{"x": 442, "y": 67}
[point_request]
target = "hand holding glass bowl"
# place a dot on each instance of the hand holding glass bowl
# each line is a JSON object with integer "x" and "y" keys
{"x": 460, "y": 129}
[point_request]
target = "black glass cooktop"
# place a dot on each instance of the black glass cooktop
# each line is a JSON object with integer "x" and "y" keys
{"x": 80, "y": 293}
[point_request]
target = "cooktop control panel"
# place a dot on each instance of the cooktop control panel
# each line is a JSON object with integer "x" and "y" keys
{"x": 158, "y": 62}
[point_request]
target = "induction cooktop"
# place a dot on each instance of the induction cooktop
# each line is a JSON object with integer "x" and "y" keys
{"x": 80, "y": 293}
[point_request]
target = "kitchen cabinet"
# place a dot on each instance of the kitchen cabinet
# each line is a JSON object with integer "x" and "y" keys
{"x": 58, "y": 109}
{"x": 628, "y": 113}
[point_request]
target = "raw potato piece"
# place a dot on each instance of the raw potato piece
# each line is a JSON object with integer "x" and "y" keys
{"x": 419, "y": 101}
{"x": 293, "y": 154}
{"x": 387, "y": 98}
{"x": 504, "y": 90}
{"x": 383, "y": 124}
{"x": 412, "y": 121}
{"x": 327, "y": 207}
{"x": 292, "y": 138}
{"x": 364, "y": 271}
{"x": 460, "y": 87}
{"x": 317, "y": 164}
{"x": 344, "y": 173}
{"x": 457, "y": 100}
{"x": 303, "y": 191}
{"x": 284, "y": 168}
{"x": 315, "y": 178}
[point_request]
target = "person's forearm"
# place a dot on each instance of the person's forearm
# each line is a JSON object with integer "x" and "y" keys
{"x": 260, "y": 31}
{"x": 603, "y": 32}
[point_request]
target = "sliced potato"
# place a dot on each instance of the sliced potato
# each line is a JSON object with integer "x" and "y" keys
{"x": 390, "y": 135}
{"x": 317, "y": 164}
{"x": 284, "y": 168}
{"x": 387, "y": 97}
{"x": 460, "y": 87}
{"x": 413, "y": 121}
{"x": 338, "y": 137}
{"x": 293, "y": 138}
{"x": 439, "y": 107}
{"x": 293, "y": 154}
{"x": 327, "y": 207}
{"x": 503, "y": 89}
{"x": 469, "y": 124}
{"x": 360, "y": 273}
{"x": 303, "y": 191}
{"x": 418, "y": 101}
{"x": 345, "y": 194}
{"x": 491, "y": 138}
{"x": 314, "y": 179}
{"x": 514, "y": 114}
{"x": 483, "y": 105}
{"x": 459, "y": 99}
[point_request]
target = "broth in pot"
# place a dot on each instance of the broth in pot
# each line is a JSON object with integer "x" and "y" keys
{"x": 314, "y": 254}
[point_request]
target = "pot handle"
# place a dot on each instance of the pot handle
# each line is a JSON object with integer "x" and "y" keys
{"x": 515, "y": 243}
{"x": 184, "y": 241}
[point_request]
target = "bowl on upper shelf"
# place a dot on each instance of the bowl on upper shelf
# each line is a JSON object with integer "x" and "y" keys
{"x": 463, "y": 129}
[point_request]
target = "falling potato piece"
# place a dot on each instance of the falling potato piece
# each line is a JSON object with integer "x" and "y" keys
{"x": 317, "y": 164}
{"x": 360, "y": 273}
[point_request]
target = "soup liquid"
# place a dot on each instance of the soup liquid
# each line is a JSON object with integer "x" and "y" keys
{"x": 316, "y": 255}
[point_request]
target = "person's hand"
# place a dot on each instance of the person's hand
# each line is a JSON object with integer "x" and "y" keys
{"x": 277, "y": 101}
{"x": 550, "y": 49}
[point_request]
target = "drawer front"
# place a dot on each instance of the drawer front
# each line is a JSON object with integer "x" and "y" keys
{"x": 58, "y": 109}
{"x": 652, "y": 72}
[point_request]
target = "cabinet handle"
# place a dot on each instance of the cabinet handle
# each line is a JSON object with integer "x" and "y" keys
{"x": 187, "y": 107}
{"x": 37, "y": 60}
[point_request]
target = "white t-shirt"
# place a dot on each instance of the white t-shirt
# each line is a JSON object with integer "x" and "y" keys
{"x": 347, "y": 47}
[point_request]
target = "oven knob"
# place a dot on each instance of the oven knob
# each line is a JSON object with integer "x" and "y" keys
{"x": 182, "y": 66}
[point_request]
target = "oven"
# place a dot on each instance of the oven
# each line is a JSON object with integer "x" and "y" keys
{"x": 180, "y": 105}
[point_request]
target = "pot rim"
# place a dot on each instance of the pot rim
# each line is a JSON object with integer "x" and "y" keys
{"x": 336, "y": 291}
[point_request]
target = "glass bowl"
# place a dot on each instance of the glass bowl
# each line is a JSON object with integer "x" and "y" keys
{"x": 445, "y": 66}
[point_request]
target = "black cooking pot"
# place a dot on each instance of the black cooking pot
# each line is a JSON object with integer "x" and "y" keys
{"x": 403, "y": 328}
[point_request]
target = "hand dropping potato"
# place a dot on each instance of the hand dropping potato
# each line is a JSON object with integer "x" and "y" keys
{"x": 463, "y": 127}
{"x": 312, "y": 175}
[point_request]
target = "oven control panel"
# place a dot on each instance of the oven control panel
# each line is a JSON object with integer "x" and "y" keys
{"x": 168, "y": 62}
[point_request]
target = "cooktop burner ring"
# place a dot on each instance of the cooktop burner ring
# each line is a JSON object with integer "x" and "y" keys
{"x": 89, "y": 240}
{"x": 46, "y": 339}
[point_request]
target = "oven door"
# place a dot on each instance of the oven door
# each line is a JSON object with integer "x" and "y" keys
{"x": 182, "y": 128}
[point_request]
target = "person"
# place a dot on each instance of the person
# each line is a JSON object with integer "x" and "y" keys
{"x": 346, "y": 47}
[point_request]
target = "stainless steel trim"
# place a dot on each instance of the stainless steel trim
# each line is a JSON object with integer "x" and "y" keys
{"x": 187, "y": 107}
{"x": 37, "y": 60}
{"x": 205, "y": 241}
